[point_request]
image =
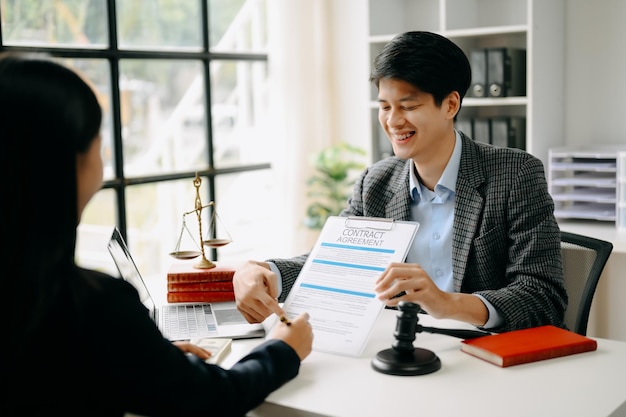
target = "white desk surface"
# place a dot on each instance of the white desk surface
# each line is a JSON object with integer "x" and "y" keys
{"x": 591, "y": 384}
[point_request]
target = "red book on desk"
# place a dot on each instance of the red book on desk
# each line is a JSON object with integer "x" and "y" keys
{"x": 187, "y": 273}
{"x": 200, "y": 286}
{"x": 527, "y": 345}
{"x": 200, "y": 296}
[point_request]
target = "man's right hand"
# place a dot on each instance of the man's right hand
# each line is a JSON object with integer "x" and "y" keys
{"x": 256, "y": 291}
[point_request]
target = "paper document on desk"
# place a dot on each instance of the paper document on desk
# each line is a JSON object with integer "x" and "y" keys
{"x": 336, "y": 284}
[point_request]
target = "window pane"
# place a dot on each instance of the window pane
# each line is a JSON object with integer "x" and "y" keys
{"x": 97, "y": 72}
{"x": 155, "y": 222}
{"x": 247, "y": 203}
{"x": 159, "y": 24}
{"x": 163, "y": 116}
{"x": 62, "y": 23}
{"x": 237, "y": 25}
{"x": 162, "y": 220}
{"x": 97, "y": 223}
{"x": 239, "y": 100}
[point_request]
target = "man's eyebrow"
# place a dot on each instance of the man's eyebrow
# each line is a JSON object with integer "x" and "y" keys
{"x": 408, "y": 98}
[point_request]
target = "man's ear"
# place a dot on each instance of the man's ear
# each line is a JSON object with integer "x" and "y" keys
{"x": 452, "y": 104}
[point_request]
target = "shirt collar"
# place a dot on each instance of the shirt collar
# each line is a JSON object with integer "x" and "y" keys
{"x": 447, "y": 182}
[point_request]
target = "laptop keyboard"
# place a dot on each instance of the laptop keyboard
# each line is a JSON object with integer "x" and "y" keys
{"x": 187, "y": 321}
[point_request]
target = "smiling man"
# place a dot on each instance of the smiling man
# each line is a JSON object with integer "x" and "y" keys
{"x": 488, "y": 248}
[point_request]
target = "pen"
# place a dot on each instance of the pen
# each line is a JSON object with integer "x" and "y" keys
{"x": 285, "y": 320}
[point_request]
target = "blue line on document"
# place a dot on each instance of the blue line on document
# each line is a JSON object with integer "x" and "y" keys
{"x": 335, "y": 245}
{"x": 370, "y": 268}
{"x": 319, "y": 287}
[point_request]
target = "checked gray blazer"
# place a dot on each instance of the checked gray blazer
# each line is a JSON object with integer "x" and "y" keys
{"x": 506, "y": 241}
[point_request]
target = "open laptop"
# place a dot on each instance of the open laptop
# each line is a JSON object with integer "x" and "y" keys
{"x": 183, "y": 321}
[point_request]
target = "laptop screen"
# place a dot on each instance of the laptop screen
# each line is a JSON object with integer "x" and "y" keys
{"x": 127, "y": 268}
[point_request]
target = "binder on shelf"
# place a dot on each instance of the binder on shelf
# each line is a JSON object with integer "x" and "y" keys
{"x": 482, "y": 130}
{"x": 508, "y": 132}
{"x": 465, "y": 125}
{"x": 506, "y": 72}
{"x": 500, "y": 131}
{"x": 478, "y": 63}
{"x": 518, "y": 138}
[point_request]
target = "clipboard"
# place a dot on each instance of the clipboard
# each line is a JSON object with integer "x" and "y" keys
{"x": 336, "y": 283}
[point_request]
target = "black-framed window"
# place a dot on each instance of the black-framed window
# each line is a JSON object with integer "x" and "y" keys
{"x": 184, "y": 88}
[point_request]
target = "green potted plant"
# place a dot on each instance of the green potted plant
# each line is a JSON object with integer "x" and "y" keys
{"x": 330, "y": 187}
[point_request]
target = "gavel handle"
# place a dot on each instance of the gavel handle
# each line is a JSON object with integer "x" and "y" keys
{"x": 460, "y": 333}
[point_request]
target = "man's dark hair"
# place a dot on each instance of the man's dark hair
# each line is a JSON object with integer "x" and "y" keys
{"x": 432, "y": 63}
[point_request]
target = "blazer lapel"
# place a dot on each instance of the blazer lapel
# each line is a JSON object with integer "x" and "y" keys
{"x": 399, "y": 205}
{"x": 468, "y": 208}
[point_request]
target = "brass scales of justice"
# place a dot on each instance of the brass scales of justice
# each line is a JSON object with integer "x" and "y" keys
{"x": 212, "y": 241}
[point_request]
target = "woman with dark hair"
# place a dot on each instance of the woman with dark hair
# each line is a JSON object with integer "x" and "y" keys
{"x": 80, "y": 342}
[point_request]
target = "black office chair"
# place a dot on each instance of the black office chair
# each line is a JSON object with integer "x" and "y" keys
{"x": 584, "y": 259}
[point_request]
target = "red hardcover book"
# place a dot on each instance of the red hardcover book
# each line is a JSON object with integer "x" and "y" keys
{"x": 527, "y": 345}
{"x": 185, "y": 272}
{"x": 200, "y": 296}
{"x": 200, "y": 286}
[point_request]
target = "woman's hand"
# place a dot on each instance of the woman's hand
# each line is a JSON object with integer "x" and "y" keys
{"x": 298, "y": 334}
{"x": 191, "y": 348}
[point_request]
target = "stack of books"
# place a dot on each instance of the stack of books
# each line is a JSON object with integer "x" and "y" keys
{"x": 187, "y": 284}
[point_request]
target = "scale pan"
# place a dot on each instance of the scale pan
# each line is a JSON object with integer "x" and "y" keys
{"x": 216, "y": 243}
{"x": 185, "y": 254}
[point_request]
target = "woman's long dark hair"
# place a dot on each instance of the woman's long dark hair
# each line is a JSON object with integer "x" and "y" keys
{"x": 48, "y": 115}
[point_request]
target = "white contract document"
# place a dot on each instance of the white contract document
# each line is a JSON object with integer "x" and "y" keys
{"x": 336, "y": 284}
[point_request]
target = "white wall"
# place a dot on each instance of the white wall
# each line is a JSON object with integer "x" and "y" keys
{"x": 595, "y": 72}
{"x": 301, "y": 107}
{"x": 350, "y": 69}
{"x": 595, "y": 111}
{"x": 322, "y": 75}
{"x": 607, "y": 318}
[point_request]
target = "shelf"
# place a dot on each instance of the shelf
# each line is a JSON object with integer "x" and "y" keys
{"x": 482, "y": 102}
{"x": 576, "y": 181}
{"x": 602, "y": 215}
{"x": 485, "y": 31}
{"x": 460, "y": 34}
{"x": 494, "y": 102}
{"x": 537, "y": 26}
{"x": 593, "y": 197}
{"x": 585, "y": 166}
